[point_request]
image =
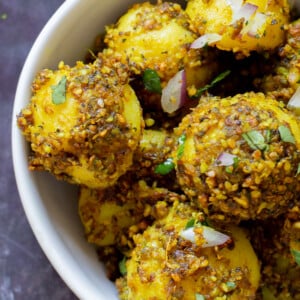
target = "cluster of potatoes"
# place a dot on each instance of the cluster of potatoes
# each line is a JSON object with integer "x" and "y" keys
{"x": 200, "y": 201}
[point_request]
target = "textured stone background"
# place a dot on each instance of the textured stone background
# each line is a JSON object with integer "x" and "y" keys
{"x": 25, "y": 272}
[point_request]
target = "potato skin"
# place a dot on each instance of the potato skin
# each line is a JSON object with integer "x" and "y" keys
{"x": 283, "y": 81}
{"x": 264, "y": 182}
{"x": 151, "y": 36}
{"x": 90, "y": 138}
{"x": 263, "y": 31}
{"x": 164, "y": 266}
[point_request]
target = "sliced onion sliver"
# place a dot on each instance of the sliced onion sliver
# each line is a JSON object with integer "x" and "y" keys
{"x": 206, "y": 39}
{"x": 174, "y": 93}
{"x": 225, "y": 159}
{"x": 211, "y": 236}
{"x": 256, "y": 25}
{"x": 245, "y": 12}
{"x": 294, "y": 102}
{"x": 235, "y": 5}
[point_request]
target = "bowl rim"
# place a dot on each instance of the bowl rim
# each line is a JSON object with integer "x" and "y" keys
{"x": 46, "y": 235}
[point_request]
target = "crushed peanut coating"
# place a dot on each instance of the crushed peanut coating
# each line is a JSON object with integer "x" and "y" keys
{"x": 261, "y": 178}
{"x": 90, "y": 137}
{"x": 165, "y": 266}
{"x": 242, "y": 26}
{"x": 151, "y": 37}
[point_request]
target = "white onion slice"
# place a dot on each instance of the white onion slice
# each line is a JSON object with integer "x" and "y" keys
{"x": 225, "y": 159}
{"x": 174, "y": 93}
{"x": 206, "y": 39}
{"x": 256, "y": 24}
{"x": 245, "y": 12}
{"x": 211, "y": 236}
{"x": 294, "y": 102}
{"x": 235, "y": 5}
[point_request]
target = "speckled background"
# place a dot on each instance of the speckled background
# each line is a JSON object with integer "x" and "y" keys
{"x": 25, "y": 272}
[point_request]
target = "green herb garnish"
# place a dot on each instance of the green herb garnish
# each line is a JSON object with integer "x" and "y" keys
{"x": 219, "y": 78}
{"x": 286, "y": 135}
{"x": 190, "y": 224}
{"x": 296, "y": 255}
{"x": 298, "y": 170}
{"x": 230, "y": 169}
{"x": 181, "y": 143}
{"x": 255, "y": 140}
{"x": 59, "y": 91}
{"x": 231, "y": 285}
{"x": 151, "y": 81}
{"x": 122, "y": 266}
{"x": 199, "y": 297}
{"x": 168, "y": 165}
{"x": 165, "y": 168}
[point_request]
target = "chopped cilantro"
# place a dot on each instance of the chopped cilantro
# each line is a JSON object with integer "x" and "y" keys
{"x": 286, "y": 134}
{"x": 190, "y": 223}
{"x": 255, "y": 140}
{"x": 122, "y": 266}
{"x": 231, "y": 285}
{"x": 59, "y": 91}
{"x": 151, "y": 81}
{"x": 296, "y": 255}
{"x": 219, "y": 78}
{"x": 230, "y": 169}
{"x": 199, "y": 297}
{"x": 181, "y": 142}
{"x": 168, "y": 165}
{"x": 165, "y": 167}
{"x": 298, "y": 170}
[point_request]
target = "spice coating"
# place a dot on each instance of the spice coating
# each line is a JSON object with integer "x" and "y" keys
{"x": 90, "y": 137}
{"x": 262, "y": 179}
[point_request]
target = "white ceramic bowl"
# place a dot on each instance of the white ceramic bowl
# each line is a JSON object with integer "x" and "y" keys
{"x": 50, "y": 205}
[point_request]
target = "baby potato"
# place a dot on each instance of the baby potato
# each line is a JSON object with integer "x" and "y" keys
{"x": 279, "y": 271}
{"x": 283, "y": 81}
{"x": 165, "y": 266}
{"x": 242, "y": 26}
{"x": 151, "y": 36}
{"x": 83, "y": 123}
{"x": 113, "y": 215}
{"x": 240, "y": 157}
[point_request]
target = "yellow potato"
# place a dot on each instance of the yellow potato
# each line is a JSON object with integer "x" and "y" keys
{"x": 165, "y": 266}
{"x": 243, "y": 26}
{"x": 151, "y": 36}
{"x": 233, "y": 164}
{"x": 83, "y": 123}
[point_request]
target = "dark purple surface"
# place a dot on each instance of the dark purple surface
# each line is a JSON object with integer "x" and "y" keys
{"x": 25, "y": 272}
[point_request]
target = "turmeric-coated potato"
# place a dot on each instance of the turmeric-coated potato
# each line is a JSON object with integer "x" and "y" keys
{"x": 113, "y": 215}
{"x": 242, "y": 26}
{"x": 240, "y": 157}
{"x": 165, "y": 265}
{"x": 83, "y": 122}
{"x": 151, "y": 36}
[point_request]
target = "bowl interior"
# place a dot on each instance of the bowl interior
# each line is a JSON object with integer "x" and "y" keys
{"x": 50, "y": 205}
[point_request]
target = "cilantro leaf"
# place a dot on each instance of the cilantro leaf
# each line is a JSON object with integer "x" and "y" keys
{"x": 219, "y": 78}
{"x": 181, "y": 143}
{"x": 286, "y": 135}
{"x": 122, "y": 266}
{"x": 296, "y": 255}
{"x": 199, "y": 297}
{"x": 151, "y": 81}
{"x": 165, "y": 167}
{"x": 59, "y": 91}
{"x": 255, "y": 140}
{"x": 190, "y": 223}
